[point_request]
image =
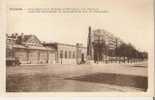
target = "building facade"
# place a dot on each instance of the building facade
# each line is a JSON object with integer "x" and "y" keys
{"x": 69, "y": 54}
{"x": 28, "y": 49}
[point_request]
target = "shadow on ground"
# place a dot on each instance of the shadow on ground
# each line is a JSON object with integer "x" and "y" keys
{"x": 44, "y": 82}
{"x": 115, "y": 79}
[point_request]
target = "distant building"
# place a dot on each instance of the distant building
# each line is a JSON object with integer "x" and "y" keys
{"x": 28, "y": 49}
{"x": 104, "y": 36}
{"x": 68, "y": 54}
{"x": 102, "y": 44}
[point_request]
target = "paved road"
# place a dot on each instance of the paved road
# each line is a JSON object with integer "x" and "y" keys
{"x": 94, "y": 77}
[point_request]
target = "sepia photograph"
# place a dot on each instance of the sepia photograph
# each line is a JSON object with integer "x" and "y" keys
{"x": 78, "y": 46}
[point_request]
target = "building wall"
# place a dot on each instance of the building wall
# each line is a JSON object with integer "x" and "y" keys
{"x": 28, "y": 49}
{"x": 29, "y": 56}
{"x": 52, "y": 57}
{"x": 70, "y": 54}
{"x": 21, "y": 54}
{"x": 66, "y": 54}
{"x": 43, "y": 57}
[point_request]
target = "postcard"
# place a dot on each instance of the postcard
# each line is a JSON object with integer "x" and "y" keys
{"x": 78, "y": 47}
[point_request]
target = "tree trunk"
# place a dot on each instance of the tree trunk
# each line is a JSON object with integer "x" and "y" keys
{"x": 124, "y": 59}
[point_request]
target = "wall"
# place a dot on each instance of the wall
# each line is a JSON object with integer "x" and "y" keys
{"x": 66, "y": 54}
{"x": 70, "y": 54}
{"x": 21, "y": 54}
{"x": 29, "y": 56}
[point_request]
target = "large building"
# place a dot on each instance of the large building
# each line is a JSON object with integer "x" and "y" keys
{"x": 28, "y": 49}
{"x": 69, "y": 54}
{"x": 102, "y": 45}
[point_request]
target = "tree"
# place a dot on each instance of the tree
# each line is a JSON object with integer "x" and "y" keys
{"x": 130, "y": 52}
{"x": 122, "y": 51}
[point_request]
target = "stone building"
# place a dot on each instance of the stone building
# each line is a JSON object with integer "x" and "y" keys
{"x": 69, "y": 54}
{"x": 28, "y": 49}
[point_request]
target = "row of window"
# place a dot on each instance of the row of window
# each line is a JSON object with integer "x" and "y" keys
{"x": 67, "y": 54}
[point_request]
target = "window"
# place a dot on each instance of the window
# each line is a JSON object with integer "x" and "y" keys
{"x": 69, "y": 54}
{"x": 73, "y": 54}
{"x": 61, "y": 54}
{"x": 65, "y": 54}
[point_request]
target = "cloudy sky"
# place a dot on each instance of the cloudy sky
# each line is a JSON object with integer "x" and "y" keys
{"x": 131, "y": 20}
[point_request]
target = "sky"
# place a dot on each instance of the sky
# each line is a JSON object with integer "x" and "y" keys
{"x": 130, "y": 20}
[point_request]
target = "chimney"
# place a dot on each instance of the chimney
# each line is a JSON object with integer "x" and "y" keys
{"x": 12, "y": 35}
{"x": 22, "y": 36}
{"x": 16, "y": 35}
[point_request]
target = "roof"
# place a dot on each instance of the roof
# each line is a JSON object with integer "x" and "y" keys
{"x": 18, "y": 46}
{"x": 39, "y": 48}
{"x": 25, "y": 38}
{"x": 32, "y": 47}
{"x": 56, "y": 44}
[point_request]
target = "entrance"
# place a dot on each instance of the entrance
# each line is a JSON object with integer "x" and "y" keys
{"x": 82, "y": 58}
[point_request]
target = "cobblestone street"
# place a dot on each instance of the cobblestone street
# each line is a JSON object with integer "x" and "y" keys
{"x": 82, "y": 78}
